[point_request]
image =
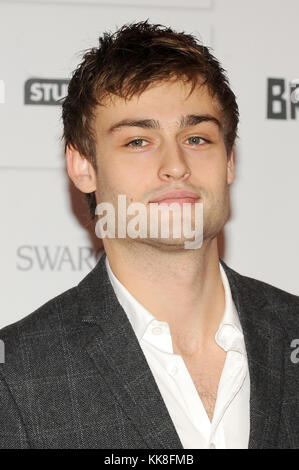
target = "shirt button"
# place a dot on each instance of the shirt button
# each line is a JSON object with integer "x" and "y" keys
{"x": 212, "y": 446}
{"x": 157, "y": 330}
{"x": 173, "y": 370}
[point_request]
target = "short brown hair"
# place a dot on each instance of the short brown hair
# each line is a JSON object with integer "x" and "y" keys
{"x": 124, "y": 64}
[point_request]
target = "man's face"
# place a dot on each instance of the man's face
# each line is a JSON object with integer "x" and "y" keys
{"x": 169, "y": 150}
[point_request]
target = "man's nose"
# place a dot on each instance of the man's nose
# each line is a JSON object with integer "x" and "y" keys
{"x": 173, "y": 163}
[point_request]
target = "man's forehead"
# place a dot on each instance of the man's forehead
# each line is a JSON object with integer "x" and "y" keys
{"x": 120, "y": 112}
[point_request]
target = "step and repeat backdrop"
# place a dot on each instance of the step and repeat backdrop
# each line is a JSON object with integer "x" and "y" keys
{"x": 47, "y": 243}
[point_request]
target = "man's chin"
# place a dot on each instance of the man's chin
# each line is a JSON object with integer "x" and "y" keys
{"x": 166, "y": 244}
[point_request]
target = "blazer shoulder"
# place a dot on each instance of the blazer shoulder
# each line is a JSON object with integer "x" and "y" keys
{"x": 40, "y": 338}
{"x": 261, "y": 288}
{"x": 36, "y": 342}
{"x": 45, "y": 317}
{"x": 273, "y": 294}
{"x": 277, "y": 306}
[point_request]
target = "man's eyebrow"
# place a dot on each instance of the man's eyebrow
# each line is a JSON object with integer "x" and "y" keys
{"x": 193, "y": 119}
{"x": 185, "y": 121}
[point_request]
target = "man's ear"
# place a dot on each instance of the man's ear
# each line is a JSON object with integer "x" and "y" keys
{"x": 231, "y": 167}
{"x": 80, "y": 170}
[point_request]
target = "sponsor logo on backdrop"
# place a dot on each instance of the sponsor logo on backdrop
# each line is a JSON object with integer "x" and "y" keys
{"x": 2, "y": 91}
{"x": 45, "y": 91}
{"x": 56, "y": 258}
{"x": 282, "y": 98}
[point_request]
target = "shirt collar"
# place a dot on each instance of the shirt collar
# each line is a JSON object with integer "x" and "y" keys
{"x": 230, "y": 315}
{"x": 138, "y": 316}
{"x": 229, "y": 333}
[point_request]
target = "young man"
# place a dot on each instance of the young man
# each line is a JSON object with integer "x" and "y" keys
{"x": 159, "y": 346}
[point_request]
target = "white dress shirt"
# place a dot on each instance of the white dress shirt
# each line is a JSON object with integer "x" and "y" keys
{"x": 229, "y": 428}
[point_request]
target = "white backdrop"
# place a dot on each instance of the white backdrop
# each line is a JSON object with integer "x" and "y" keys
{"x": 45, "y": 246}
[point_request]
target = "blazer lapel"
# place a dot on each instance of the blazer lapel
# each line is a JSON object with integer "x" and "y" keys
{"x": 116, "y": 353}
{"x": 115, "y": 350}
{"x": 264, "y": 339}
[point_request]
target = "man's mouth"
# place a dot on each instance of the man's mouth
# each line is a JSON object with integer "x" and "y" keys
{"x": 180, "y": 197}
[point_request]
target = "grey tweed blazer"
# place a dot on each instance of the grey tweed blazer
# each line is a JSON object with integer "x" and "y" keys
{"x": 75, "y": 376}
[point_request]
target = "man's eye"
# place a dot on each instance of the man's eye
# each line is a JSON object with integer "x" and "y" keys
{"x": 136, "y": 143}
{"x": 195, "y": 140}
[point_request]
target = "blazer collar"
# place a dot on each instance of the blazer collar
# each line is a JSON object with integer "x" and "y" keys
{"x": 264, "y": 337}
{"x": 119, "y": 358}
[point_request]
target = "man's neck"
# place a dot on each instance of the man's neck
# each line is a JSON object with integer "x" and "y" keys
{"x": 183, "y": 288}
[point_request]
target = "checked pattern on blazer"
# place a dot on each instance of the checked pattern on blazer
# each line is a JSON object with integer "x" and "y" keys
{"x": 75, "y": 376}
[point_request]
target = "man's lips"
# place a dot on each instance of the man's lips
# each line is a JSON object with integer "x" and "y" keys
{"x": 177, "y": 196}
